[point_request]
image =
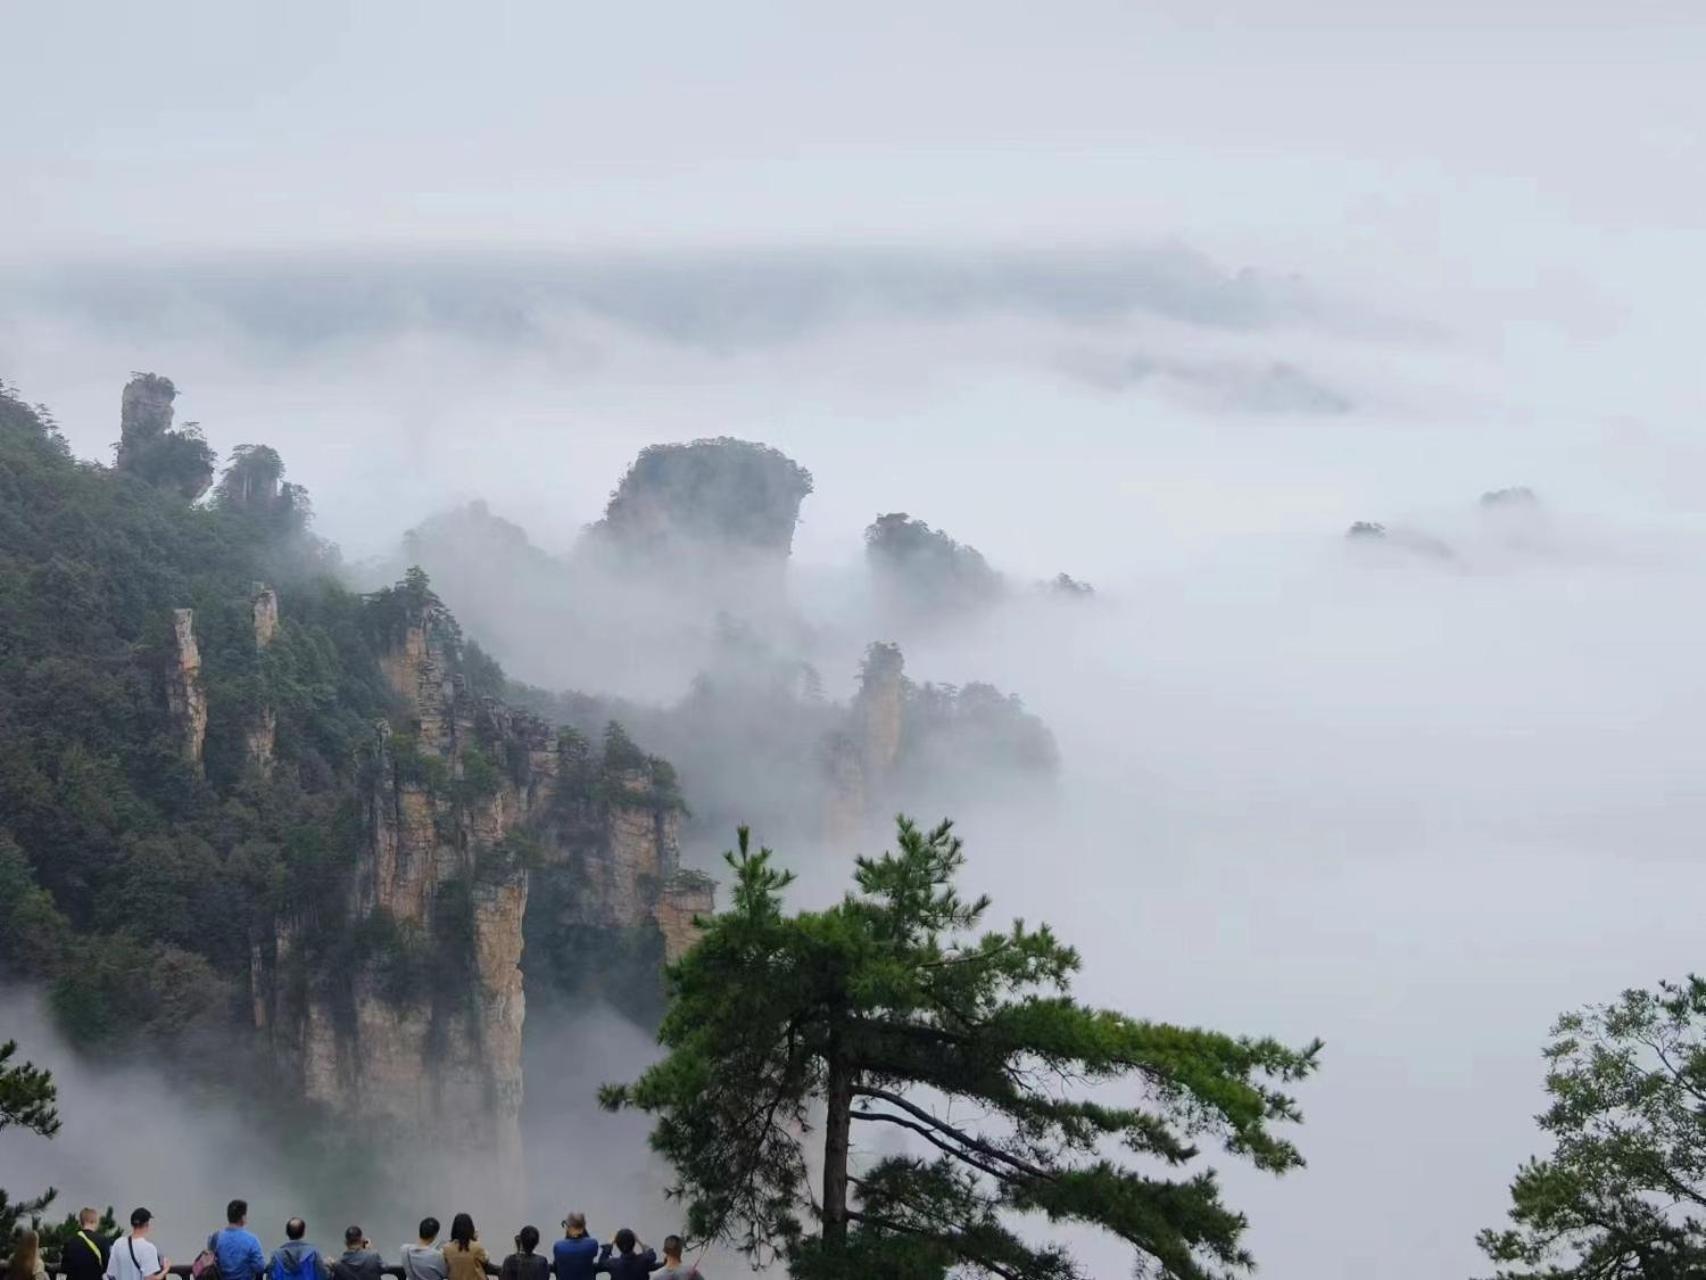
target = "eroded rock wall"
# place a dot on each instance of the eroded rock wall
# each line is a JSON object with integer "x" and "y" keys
{"x": 186, "y": 700}
{"x": 414, "y": 1024}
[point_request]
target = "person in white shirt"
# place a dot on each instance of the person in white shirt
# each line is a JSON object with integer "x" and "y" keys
{"x": 135, "y": 1257}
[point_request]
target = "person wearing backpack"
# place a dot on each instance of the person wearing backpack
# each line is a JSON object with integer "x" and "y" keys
{"x": 83, "y": 1256}
{"x": 233, "y": 1252}
{"x": 296, "y": 1259}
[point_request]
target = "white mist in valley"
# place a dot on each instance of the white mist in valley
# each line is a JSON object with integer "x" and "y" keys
{"x": 1161, "y": 304}
{"x": 1414, "y": 795}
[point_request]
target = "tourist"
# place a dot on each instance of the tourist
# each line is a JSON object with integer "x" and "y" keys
{"x": 575, "y": 1256}
{"x": 425, "y": 1260}
{"x": 524, "y": 1263}
{"x": 26, "y": 1261}
{"x": 673, "y": 1267}
{"x": 359, "y": 1262}
{"x": 464, "y": 1256}
{"x": 236, "y": 1250}
{"x": 135, "y": 1257}
{"x": 84, "y": 1256}
{"x": 633, "y": 1260}
{"x": 296, "y": 1259}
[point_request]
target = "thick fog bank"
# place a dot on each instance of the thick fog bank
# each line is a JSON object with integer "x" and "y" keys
{"x": 1416, "y": 809}
{"x": 1414, "y": 794}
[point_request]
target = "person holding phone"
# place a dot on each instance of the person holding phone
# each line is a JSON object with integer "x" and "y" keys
{"x": 359, "y": 1260}
{"x": 134, "y": 1257}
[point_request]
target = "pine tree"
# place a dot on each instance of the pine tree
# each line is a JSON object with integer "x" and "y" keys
{"x": 888, "y": 1013}
{"x": 1625, "y": 1187}
{"x": 27, "y": 1098}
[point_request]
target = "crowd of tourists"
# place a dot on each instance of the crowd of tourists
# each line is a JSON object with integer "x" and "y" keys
{"x": 235, "y": 1253}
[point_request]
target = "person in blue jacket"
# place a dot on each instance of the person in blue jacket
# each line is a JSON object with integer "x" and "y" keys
{"x": 235, "y": 1248}
{"x": 575, "y": 1256}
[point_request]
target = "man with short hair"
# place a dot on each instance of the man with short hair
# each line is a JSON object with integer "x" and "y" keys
{"x": 236, "y": 1250}
{"x": 673, "y": 1268}
{"x": 135, "y": 1257}
{"x": 425, "y": 1261}
{"x": 84, "y": 1256}
{"x": 296, "y": 1259}
{"x": 359, "y": 1262}
{"x": 633, "y": 1259}
{"x": 575, "y": 1256}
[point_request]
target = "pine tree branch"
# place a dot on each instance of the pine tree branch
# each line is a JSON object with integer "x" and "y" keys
{"x": 930, "y": 1136}
{"x": 968, "y": 957}
{"x": 958, "y": 1135}
{"x": 952, "y": 1240}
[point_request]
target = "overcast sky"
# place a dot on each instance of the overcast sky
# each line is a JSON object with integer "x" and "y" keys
{"x": 1160, "y": 294}
{"x": 1234, "y": 124}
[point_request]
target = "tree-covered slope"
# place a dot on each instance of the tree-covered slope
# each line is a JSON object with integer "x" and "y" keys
{"x": 130, "y": 878}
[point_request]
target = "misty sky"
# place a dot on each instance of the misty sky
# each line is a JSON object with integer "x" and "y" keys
{"x": 1163, "y": 295}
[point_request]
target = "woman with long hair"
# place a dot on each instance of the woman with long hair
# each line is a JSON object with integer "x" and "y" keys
{"x": 464, "y": 1255}
{"x": 26, "y": 1259}
{"x": 524, "y": 1263}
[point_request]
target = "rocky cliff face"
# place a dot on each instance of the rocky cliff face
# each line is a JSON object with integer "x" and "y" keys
{"x": 408, "y": 1013}
{"x": 260, "y": 735}
{"x": 151, "y": 449}
{"x": 186, "y": 701}
{"x": 902, "y": 744}
{"x": 145, "y": 413}
{"x": 723, "y": 505}
{"x": 861, "y": 759}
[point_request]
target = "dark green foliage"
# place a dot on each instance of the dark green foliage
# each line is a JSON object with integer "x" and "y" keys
{"x": 573, "y": 962}
{"x": 926, "y": 570}
{"x": 1623, "y": 1192}
{"x": 485, "y": 677}
{"x": 971, "y": 731}
{"x": 254, "y": 487}
{"x": 893, "y": 1014}
{"x": 630, "y": 776}
{"x": 180, "y": 461}
{"x": 177, "y": 460}
{"x": 132, "y": 883}
{"x": 27, "y": 1099}
{"x": 722, "y": 492}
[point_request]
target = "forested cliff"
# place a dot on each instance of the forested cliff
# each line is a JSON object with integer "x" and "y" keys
{"x": 250, "y": 813}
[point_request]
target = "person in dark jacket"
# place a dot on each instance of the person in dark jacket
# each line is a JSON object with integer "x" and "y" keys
{"x": 84, "y": 1255}
{"x": 359, "y": 1260}
{"x": 575, "y": 1256}
{"x": 524, "y": 1263}
{"x": 632, "y": 1261}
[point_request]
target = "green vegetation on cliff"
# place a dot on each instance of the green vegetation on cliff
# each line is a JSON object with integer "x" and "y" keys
{"x": 134, "y": 877}
{"x": 148, "y": 845}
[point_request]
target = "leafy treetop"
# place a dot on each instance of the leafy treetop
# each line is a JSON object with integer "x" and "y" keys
{"x": 892, "y": 1013}
{"x": 1623, "y": 1192}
